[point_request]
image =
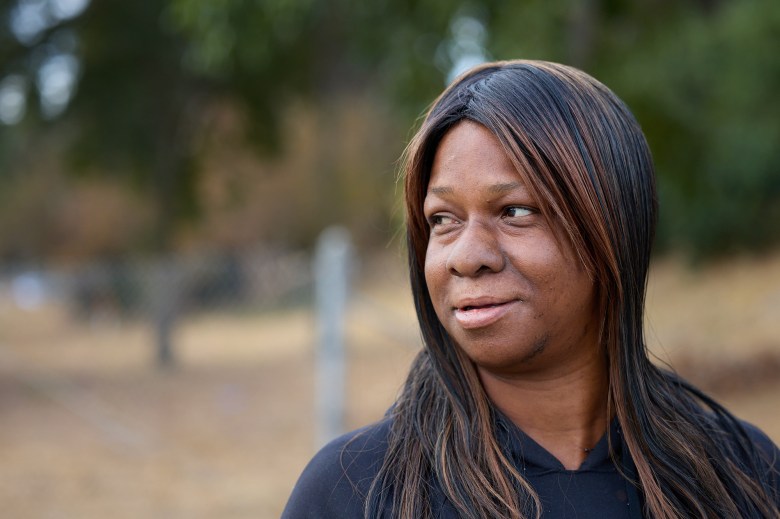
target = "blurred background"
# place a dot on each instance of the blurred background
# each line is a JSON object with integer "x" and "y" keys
{"x": 168, "y": 167}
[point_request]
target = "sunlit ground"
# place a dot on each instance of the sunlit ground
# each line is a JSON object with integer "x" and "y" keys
{"x": 91, "y": 429}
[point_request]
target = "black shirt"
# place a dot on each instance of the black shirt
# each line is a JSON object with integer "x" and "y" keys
{"x": 336, "y": 481}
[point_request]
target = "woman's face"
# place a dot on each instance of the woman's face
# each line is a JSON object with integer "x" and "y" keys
{"x": 513, "y": 298}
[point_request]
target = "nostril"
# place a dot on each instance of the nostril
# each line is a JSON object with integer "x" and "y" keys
{"x": 475, "y": 252}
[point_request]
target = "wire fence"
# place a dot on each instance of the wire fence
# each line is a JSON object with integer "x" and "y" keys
{"x": 162, "y": 295}
{"x": 128, "y": 289}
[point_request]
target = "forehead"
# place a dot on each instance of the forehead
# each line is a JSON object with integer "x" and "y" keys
{"x": 469, "y": 154}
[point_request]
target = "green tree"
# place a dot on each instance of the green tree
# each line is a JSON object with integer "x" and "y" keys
{"x": 705, "y": 90}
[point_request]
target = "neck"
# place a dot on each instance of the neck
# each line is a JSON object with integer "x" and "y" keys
{"x": 566, "y": 413}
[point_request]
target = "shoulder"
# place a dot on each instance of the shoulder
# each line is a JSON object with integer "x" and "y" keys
{"x": 337, "y": 479}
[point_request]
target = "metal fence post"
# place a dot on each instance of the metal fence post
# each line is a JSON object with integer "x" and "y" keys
{"x": 331, "y": 271}
{"x": 165, "y": 309}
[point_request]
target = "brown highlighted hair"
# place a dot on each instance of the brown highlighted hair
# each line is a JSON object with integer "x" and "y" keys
{"x": 584, "y": 158}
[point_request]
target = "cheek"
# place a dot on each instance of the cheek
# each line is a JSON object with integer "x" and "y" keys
{"x": 435, "y": 277}
{"x": 557, "y": 278}
{"x": 575, "y": 297}
{"x": 430, "y": 268}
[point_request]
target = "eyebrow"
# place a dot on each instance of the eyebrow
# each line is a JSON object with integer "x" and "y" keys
{"x": 496, "y": 189}
{"x": 441, "y": 190}
{"x": 499, "y": 189}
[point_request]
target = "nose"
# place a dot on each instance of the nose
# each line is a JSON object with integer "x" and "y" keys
{"x": 475, "y": 251}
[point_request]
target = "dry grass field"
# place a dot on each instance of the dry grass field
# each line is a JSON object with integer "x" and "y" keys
{"x": 91, "y": 430}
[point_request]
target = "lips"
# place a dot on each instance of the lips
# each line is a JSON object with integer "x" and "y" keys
{"x": 479, "y": 313}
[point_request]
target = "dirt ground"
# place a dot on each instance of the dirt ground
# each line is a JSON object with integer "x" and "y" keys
{"x": 90, "y": 429}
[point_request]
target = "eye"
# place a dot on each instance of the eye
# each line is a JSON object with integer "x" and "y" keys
{"x": 438, "y": 220}
{"x": 517, "y": 211}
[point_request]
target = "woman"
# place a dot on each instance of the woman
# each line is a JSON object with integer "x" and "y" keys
{"x": 531, "y": 210}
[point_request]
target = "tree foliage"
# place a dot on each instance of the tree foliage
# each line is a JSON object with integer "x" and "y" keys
{"x": 705, "y": 89}
{"x": 700, "y": 75}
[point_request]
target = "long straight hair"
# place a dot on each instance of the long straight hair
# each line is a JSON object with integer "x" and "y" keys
{"x": 584, "y": 158}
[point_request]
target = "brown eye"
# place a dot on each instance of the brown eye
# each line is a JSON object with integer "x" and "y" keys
{"x": 516, "y": 211}
{"x": 440, "y": 219}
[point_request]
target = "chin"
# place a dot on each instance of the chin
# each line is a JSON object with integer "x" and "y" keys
{"x": 489, "y": 354}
